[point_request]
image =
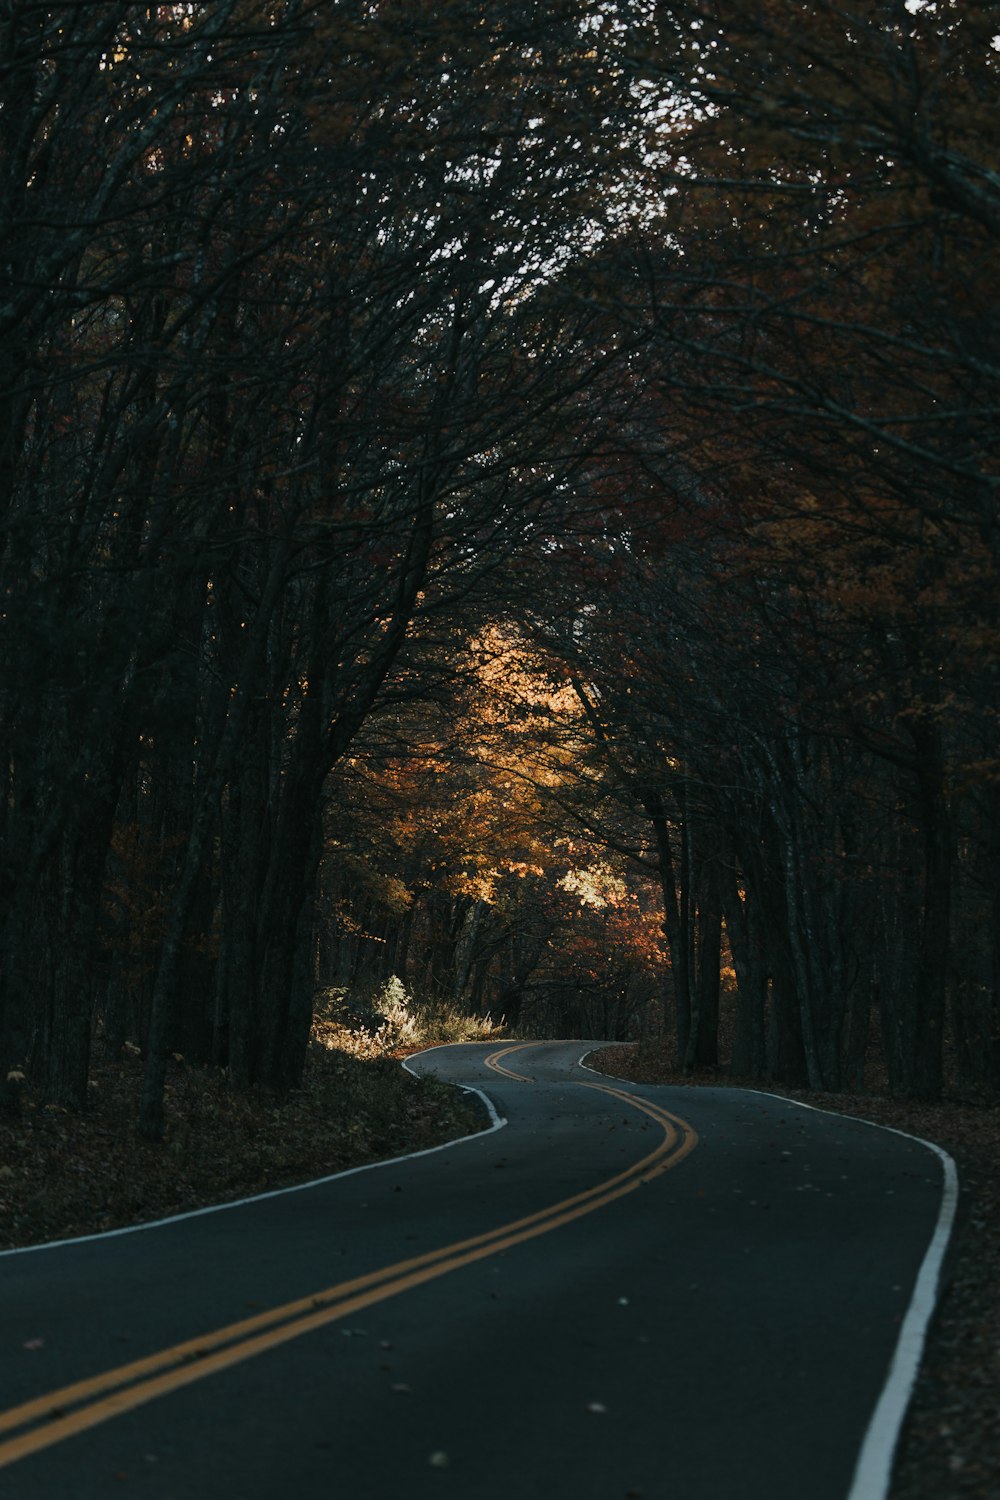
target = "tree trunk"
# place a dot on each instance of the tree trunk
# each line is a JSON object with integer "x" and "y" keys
{"x": 749, "y": 1059}
{"x": 229, "y": 737}
{"x": 703, "y": 1042}
{"x": 991, "y": 1067}
{"x": 927, "y": 1042}
{"x": 673, "y": 929}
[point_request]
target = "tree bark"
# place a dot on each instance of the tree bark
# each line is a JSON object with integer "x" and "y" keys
{"x": 927, "y": 1041}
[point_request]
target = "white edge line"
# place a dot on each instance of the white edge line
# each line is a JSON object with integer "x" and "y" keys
{"x": 873, "y": 1471}
{"x": 874, "y": 1467}
{"x": 497, "y": 1122}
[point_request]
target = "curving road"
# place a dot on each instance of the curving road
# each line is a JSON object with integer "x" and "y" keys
{"x": 613, "y": 1292}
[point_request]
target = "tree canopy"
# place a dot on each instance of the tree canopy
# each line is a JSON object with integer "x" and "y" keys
{"x": 508, "y": 502}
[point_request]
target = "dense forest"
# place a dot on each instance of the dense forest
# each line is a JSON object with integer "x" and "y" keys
{"x": 507, "y": 498}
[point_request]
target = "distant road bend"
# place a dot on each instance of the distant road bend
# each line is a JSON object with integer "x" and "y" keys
{"x": 615, "y": 1291}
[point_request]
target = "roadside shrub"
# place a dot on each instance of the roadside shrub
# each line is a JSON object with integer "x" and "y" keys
{"x": 392, "y": 1021}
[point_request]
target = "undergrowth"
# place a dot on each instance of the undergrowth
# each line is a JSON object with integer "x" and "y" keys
{"x": 64, "y": 1174}
{"x": 391, "y": 1022}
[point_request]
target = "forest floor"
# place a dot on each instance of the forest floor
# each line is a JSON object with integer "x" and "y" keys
{"x": 950, "y": 1446}
{"x": 64, "y": 1175}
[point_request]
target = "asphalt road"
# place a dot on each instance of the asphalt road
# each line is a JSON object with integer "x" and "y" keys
{"x": 621, "y": 1292}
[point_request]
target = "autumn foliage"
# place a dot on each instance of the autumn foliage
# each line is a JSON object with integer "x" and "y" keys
{"x": 508, "y": 502}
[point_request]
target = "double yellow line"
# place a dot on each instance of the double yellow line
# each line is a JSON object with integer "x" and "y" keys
{"x": 494, "y": 1061}
{"x": 61, "y": 1414}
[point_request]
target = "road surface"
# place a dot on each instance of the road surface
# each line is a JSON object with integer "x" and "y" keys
{"x": 615, "y": 1291}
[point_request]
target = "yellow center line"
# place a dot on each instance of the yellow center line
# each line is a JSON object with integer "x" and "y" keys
{"x": 493, "y": 1061}
{"x": 104, "y": 1396}
{"x": 656, "y": 1111}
